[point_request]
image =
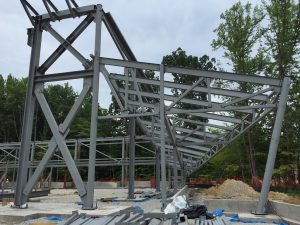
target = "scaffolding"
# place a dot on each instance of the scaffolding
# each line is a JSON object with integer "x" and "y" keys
{"x": 186, "y": 129}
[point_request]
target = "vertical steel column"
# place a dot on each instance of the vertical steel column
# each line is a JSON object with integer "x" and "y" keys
{"x": 261, "y": 206}
{"x": 131, "y": 157}
{"x": 183, "y": 172}
{"x": 94, "y": 117}
{"x": 157, "y": 172}
{"x": 75, "y": 150}
{"x": 169, "y": 177}
{"x": 31, "y": 158}
{"x": 28, "y": 116}
{"x": 175, "y": 171}
{"x": 123, "y": 166}
{"x": 162, "y": 138}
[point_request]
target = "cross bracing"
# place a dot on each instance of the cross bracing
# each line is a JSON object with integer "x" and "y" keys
{"x": 9, "y": 153}
{"x": 187, "y": 122}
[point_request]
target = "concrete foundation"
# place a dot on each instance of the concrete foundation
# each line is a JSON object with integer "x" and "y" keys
{"x": 288, "y": 212}
{"x": 62, "y": 202}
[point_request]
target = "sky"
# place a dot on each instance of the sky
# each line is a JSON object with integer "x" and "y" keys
{"x": 152, "y": 28}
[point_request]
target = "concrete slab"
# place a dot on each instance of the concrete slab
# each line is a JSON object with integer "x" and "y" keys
{"x": 263, "y": 218}
{"x": 57, "y": 209}
{"x": 230, "y": 205}
{"x": 36, "y": 210}
{"x": 62, "y": 202}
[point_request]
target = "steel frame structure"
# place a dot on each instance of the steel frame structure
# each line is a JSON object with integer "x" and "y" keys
{"x": 9, "y": 153}
{"x": 193, "y": 134}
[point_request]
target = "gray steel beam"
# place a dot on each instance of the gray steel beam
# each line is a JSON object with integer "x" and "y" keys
{"x": 129, "y": 64}
{"x": 194, "y": 72}
{"x": 66, "y": 14}
{"x": 215, "y": 91}
{"x": 64, "y": 76}
{"x": 140, "y": 161}
{"x": 226, "y": 76}
{"x": 218, "y": 117}
{"x": 28, "y": 117}
{"x": 185, "y": 130}
{"x": 89, "y": 204}
{"x": 162, "y": 138}
{"x": 215, "y": 105}
{"x": 27, "y": 7}
{"x": 131, "y": 133}
{"x": 203, "y": 124}
{"x": 118, "y": 38}
{"x": 127, "y": 115}
{"x": 261, "y": 206}
{"x": 115, "y": 94}
{"x": 211, "y": 154}
{"x": 61, "y": 49}
{"x": 185, "y": 150}
{"x": 8, "y": 153}
{"x": 123, "y": 167}
{"x": 157, "y": 171}
{"x": 185, "y": 93}
{"x": 67, "y": 45}
{"x": 222, "y": 109}
{"x": 61, "y": 144}
{"x": 131, "y": 158}
{"x": 247, "y": 97}
{"x": 172, "y": 136}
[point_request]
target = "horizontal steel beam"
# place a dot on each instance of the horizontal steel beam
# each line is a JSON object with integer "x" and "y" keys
{"x": 221, "y": 109}
{"x": 185, "y": 130}
{"x": 194, "y": 72}
{"x": 202, "y": 123}
{"x": 66, "y": 14}
{"x": 183, "y": 100}
{"x": 213, "y": 90}
{"x": 127, "y": 115}
{"x": 64, "y": 76}
{"x": 83, "y": 163}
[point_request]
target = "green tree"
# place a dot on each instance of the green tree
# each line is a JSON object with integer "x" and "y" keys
{"x": 282, "y": 38}
{"x": 179, "y": 58}
{"x": 282, "y": 45}
{"x": 2, "y": 107}
{"x": 14, "y": 107}
{"x": 238, "y": 35}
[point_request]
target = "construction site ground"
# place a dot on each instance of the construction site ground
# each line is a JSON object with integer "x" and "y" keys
{"x": 61, "y": 202}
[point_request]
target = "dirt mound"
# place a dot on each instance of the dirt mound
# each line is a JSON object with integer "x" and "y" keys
{"x": 231, "y": 189}
{"x": 240, "y": 190}
{"x": 278, "y": 196}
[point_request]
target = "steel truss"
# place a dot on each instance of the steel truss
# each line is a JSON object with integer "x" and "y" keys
{"x": 192, "y": 128}
{"x": 9, "y": 153}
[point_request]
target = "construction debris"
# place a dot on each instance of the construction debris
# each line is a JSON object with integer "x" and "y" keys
{"x": 125, "y": 218}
